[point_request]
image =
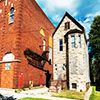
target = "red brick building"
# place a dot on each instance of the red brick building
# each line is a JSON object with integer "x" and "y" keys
{"x": 25, "y": 35}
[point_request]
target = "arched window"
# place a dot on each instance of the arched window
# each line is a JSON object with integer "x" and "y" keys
{"x": 42, "y": 31}
{"x": 11, "y": 16}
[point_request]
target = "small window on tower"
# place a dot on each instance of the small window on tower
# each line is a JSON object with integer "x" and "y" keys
{"x": 11, "y": 15}
{"x": 67, "y": 25}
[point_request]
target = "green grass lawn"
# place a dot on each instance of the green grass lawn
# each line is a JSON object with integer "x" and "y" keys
{"x": 70, "y": 94}
{"x": 95, "y": 94}
{"x": 33, "y": 99}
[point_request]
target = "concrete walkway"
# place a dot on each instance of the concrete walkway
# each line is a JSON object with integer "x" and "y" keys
{"x": 36, "y": 93}
{"x": 19, "y": 96}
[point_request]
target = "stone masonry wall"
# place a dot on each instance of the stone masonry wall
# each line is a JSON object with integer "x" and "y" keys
{"x": 60, "y": 56}
{"x": 77, "y": 54}
{"x": 79, "y": 77}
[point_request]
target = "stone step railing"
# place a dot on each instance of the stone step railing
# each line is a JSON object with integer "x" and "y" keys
{"x": 88, "y": 93}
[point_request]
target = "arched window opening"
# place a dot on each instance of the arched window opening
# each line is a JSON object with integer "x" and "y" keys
{"x": 11, "y": 15}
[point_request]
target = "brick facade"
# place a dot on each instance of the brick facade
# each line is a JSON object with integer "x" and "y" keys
{"x": 73, "y": 62}
{"x": 23, "y": 33}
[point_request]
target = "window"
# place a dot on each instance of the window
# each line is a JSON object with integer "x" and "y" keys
{"x": 55, "y": 68}
{"x": 80, "y": 65}
{"x": 73, "y": 65}
{"x": 72, "y": 41}
{"x": 50, "y": 55}
{"x": 50, "y": 49}
{"x": 74, "y": 86}
{"x": 44, "y": 45}
{"x": 79, "y": 39}
{"x": 11, "y": 16}
{"x": 55, "y": 64}
{"x": 63, "y": 68}
{"x": 42, "y": 32}
{"x": 50, "y": 41}
{"x": 7, "y": 66}
{"x": 60, "y": 45}
{"x": 67, "y": 25}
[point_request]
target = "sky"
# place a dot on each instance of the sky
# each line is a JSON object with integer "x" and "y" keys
{"x": 83, "y": 11}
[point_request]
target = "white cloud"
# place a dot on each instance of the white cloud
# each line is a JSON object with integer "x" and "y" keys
{"x": 53, "y": 5}
{"x": 75, "y": 13}
{"x": 87, "y": 20}
{"x": 93, "y": 14}
{"x": 56, "y": 18}
{"x": 62, "y": 4}
{"x": 56, "y": 9}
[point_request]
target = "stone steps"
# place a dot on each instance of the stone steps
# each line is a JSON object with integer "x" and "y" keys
{"x": 54, "y": 89}
{"x": 55, "y": 86}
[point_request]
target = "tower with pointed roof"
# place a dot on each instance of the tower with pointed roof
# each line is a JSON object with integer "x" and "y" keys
{"x": 71, "y": 54}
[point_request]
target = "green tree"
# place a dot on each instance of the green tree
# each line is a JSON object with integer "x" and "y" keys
{"x": 94, "y": 45}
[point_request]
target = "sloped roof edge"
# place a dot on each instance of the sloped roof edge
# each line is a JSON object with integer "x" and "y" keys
{"x": 43, "y": 13}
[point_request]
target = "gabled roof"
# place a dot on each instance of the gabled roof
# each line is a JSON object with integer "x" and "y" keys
{"x": 70, "y": 17}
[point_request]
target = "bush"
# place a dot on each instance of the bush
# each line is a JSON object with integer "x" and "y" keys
{"x": 18, "y": 90}
{"x": 7, "y": 98}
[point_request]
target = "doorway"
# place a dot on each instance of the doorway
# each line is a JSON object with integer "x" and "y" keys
{"x": 21, "y": 80}
{"x": 41, "y": 80}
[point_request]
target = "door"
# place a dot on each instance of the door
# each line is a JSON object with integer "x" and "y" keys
{"x": 21, "y": 80}
{"x": 40, "y": 80}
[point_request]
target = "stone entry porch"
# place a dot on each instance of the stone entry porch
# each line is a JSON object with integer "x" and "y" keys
{"x": 57, "y": 85}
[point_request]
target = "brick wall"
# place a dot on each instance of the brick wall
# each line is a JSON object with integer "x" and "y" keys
{"x": 25, "y": 33}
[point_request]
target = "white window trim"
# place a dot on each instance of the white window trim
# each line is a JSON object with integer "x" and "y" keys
{"x": 44, "y": 45}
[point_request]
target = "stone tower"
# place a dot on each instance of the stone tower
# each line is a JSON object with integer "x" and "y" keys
{"x": 71, "y": 54}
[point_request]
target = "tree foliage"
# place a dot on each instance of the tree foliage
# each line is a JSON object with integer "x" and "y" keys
{"x": 94, "y": 45}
